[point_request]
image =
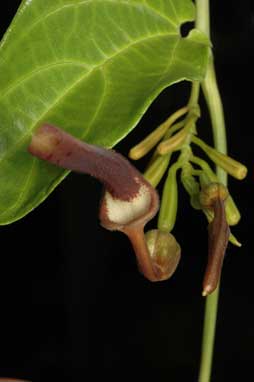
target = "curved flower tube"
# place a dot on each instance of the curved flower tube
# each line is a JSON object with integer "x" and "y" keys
{"x": 128, "y": 202}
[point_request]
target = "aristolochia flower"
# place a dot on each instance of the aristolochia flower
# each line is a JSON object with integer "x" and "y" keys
{"x": 128, "y": 202}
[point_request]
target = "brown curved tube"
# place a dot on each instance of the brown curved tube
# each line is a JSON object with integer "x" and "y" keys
{"x": 145, "y": 264}
{"x": 62, "y": 149}
{"x": 218, "y": 232}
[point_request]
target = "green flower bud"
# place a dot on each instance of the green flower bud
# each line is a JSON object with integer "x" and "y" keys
{"x": 230, "y": 165}
{"x": 169, "y": 201}
{"x": 157, "y": 169}
{"x": 173, "y": 143}
{"x": 191, "y": 186}
{"x": 178, "y": 140}
{"x": 165, "y": 252}
{"x": 152, "y": 139}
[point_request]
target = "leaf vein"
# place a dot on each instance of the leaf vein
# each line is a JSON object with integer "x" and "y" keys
{"x": 100, "y": 104}
{"x": 38, "y": 70}
{"x": 84, "y": 2}
{"x": 83, "y": 77}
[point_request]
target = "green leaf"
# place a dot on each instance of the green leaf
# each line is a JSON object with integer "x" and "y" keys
{"x": 91, "y": 67}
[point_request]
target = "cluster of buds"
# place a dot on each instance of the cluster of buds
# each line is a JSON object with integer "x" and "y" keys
{"x": 206, "y": 192}
{"x": 130, "y": 200}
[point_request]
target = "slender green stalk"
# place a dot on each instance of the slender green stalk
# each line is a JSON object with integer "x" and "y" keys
{"x": 194, "y": 96}
{"x": 213, "y": 99}
{"x": 211, "y": 308}
{"x": 190, "y": 122}
{"x": 203, "y": 16}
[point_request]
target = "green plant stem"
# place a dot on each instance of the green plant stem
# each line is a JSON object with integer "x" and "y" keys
{"x": 191, "y": 118}
{"x": 210, "y": 317}
{"x": 213, "y": 99}
{"x": 194, "y": 96}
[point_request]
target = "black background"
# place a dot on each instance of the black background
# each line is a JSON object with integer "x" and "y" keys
{"x": 72, "y": 300}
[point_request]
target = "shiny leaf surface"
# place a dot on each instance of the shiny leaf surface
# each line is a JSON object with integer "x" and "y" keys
{"x": 91, "y": 67}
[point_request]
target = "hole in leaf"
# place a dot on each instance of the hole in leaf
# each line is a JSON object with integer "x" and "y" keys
{"x": 185, "y": 28}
